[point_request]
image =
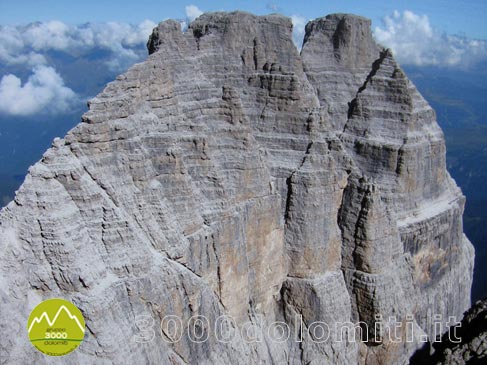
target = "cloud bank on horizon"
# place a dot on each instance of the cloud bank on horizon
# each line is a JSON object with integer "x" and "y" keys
{"x": 30, "y": 48}
{"x": 415, "y": 42}
{"x": 30, "y": 44}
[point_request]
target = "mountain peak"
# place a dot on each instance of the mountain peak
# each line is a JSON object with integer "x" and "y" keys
{"x": 230, "y": 175}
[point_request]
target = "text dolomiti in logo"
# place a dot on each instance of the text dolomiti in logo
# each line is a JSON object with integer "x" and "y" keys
{"x": 56, "y": 327}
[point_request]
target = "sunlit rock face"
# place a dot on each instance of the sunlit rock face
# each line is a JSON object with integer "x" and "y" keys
{"x": 229, "y": 174}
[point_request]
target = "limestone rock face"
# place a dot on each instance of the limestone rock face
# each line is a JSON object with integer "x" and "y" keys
{"x": 229, "y": 175}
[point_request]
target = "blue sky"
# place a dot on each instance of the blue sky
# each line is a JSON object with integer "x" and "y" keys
{"x": 452, "y": 16}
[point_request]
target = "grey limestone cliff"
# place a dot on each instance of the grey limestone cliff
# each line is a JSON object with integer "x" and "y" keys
{"x": 229, "y": 174}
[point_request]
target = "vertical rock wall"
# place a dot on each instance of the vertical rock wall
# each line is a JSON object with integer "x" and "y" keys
{"x": 230, "y": 175}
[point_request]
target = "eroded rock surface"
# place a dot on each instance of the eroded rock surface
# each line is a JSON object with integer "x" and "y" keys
{"x": 230, "y": 175}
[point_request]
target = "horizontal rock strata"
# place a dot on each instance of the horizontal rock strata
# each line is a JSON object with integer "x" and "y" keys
{"x": 229, "y": 174}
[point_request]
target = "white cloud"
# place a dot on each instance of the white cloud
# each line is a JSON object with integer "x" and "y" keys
{"x": 28, "y": 44}
{"x": 44, "y": 91}
{"x": 12, "y": 48}
{"x": 121, "y": 39}
{"x": 28, "y": 48}
{"x": 414, "y": 41}
{"x": 192, "y": 12}
{"x": 50, "y": 35}
{"x": 299, "y": 24}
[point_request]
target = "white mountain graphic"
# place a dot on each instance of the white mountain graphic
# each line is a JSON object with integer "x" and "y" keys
{"x": 45, "y": 316}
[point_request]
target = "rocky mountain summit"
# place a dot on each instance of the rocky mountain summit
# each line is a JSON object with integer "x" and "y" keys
{"x": 230, "y": 175}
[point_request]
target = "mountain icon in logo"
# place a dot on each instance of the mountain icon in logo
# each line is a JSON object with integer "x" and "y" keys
{"x": 56, "y": 327}
{"x": 45, "y": 316}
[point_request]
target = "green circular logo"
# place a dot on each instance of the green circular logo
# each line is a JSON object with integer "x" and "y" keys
{"x": 56, "y": 327}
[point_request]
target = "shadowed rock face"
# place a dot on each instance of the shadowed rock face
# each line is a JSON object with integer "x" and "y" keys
{"x": 462, "y": 344}
{"x": 230, "y": 175}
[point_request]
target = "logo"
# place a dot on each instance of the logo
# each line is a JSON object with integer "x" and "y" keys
{"x": 56, "y": 327}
